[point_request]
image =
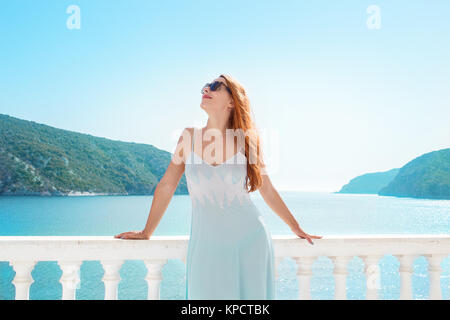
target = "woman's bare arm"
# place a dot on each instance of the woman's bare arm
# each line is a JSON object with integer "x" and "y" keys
{"x": 274, "y": 201}
{"x": 164, "y": 191}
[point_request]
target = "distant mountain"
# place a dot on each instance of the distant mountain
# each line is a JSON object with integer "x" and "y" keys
{"x": 369, "y": 182}
{"x": 36, "y": 159}
{"x": 427, "y": 176}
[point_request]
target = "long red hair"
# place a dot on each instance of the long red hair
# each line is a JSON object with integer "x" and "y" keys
{"x": 242, "y": 118}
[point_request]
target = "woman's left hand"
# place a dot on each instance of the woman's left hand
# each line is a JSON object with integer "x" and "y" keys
{"x": 137, "y": 235}
{"x": 302, "y": 234}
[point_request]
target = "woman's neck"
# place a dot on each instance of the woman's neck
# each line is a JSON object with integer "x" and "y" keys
{"x": 218, "y": 124}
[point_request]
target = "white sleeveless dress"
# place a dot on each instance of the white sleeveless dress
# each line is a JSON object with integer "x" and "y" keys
{"x": 230, "y": 251}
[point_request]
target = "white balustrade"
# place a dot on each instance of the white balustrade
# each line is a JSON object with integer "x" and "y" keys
{"x": 277, "y": 264}
{"x": 406, "y": 272}
{"x": 154, "y": 277}
{"x": 373, "y": 274}
{"x": 24, "y": 252}
{"x": 304, "y": 273}
{"x": 111, "y": 278}
{"x": 434, "y": 269}
{"x": 340, "y": 276}
{"x": 70, "y": 278}
{"x": 23, "y": 280}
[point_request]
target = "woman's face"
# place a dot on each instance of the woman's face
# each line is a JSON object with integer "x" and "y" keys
{"x": 216, "y": 102}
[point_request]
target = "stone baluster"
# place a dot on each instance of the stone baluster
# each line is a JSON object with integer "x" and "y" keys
{"x": 277, "y": 273}
{"x": 184, "y": 260}
{"x": 111, "y": 278}
{"x": 23, "y": 279}
{"x": 277, "y": 265}
{"x": 304, "y": 273}
{"x": 70, "y": 278}
{"x": 435, "y": 269}
{"x": 154, "y": 277}
{"x": 406, "y": 272}
{"x": 340, "y": 276}
{"x": 372, "y": 271}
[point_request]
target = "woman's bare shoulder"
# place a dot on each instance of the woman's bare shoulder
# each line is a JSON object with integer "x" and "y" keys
{"x": 183, "y": 144}
{"x": 186, "y": 133}
{"x": 189, "y": 129}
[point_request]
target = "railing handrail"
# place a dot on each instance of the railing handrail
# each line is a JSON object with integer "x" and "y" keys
{"x": 48, "y": 248}
{"x": 275, "y": 237}
{"x": 23, "y": 252}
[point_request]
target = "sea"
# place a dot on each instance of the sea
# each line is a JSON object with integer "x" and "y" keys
{"x": 318, "y": 213}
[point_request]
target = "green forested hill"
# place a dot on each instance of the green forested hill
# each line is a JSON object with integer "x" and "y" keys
{"x": 36, "y": 159}
{"x": 369, "y": 183}
{"x": 427, "y": 176}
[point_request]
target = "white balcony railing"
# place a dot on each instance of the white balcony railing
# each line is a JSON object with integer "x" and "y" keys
{"x": 23, "y": 252}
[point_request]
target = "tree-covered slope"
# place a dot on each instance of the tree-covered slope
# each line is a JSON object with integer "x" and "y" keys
{"x": 36, "y": 159}
{"x": 369, "y": 182}
{"x": 427, "y": 176}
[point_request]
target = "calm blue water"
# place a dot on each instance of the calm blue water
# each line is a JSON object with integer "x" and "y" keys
{"x": 317, "y": 213}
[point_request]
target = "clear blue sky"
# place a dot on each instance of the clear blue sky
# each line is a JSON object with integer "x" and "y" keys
{"x": 337, "y": 98}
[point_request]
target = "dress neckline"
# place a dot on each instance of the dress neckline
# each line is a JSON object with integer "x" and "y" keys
{"x": 208, "y": 164}
{"x": 220, "y": 164}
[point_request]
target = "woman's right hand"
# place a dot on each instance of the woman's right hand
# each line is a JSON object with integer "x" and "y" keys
{"x": 302, "y": 234}
{"x": 137, "y": 235}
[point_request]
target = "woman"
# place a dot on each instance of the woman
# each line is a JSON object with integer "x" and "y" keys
{"x": 230, "y": 253}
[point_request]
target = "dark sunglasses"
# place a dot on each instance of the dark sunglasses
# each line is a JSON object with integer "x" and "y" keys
{"x": 215, "y": 86}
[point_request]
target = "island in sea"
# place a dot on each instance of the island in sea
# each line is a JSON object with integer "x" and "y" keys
{"x": 37, "y": 159}
{"x": 369, "y": 183}
{"x": 425, "y": 177}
